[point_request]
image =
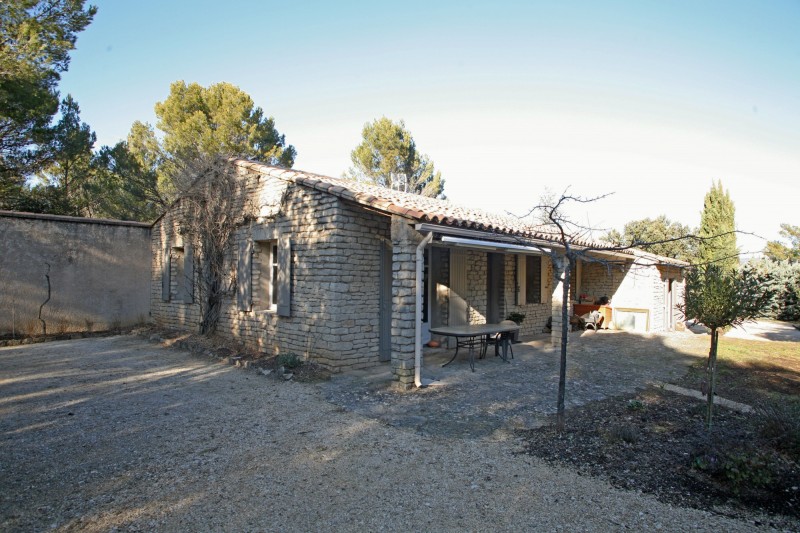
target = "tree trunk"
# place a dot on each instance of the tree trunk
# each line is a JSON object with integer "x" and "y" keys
{"x": 562, "y": 371}
{"x": 711, "y": 375}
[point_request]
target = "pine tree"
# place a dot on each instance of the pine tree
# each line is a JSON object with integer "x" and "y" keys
{"x": 388, "y": 156}
{"x": 717, "y": 227}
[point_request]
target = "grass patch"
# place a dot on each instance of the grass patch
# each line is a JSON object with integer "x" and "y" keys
{"x": 753, "y": 372}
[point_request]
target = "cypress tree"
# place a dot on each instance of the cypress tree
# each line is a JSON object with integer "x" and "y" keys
{"x": 717, "y": 225}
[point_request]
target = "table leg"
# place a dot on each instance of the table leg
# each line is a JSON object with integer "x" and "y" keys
{"x": 454, "y": 355}
{"x": 505, "y": 340}
{"x": 472, "y": 354}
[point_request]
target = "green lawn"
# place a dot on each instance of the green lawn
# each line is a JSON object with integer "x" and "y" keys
{"x": 754, "y": 371}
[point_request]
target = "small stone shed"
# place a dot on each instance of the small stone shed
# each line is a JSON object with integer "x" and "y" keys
{"x": 328, "y": 270}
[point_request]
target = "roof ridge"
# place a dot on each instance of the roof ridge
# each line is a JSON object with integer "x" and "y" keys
{"x": 422, "y": 208}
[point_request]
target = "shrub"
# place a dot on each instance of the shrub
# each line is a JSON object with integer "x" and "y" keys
{"x": 516, "y": 318}
{"x": 784, "y": 276}
{"x": 780, "y": 422}
{"x": 289, "y": 360}
{"x": 622, "y": 433}
{"x": 742, "y": 468}
{"x": 635, "y": 405}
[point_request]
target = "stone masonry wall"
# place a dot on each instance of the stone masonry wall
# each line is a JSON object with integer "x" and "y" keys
{"x": 632, "y": 286}
{"x": 477, "y": 271}
{"x": 335, "y": 260}
{"x": 536, "y": 315}
{"x": 476, "y": 297}
{"x": 404, "y": 290}
{"x": 99, "y": 273}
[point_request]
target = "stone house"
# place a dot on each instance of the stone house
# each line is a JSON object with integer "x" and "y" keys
{"x": 327, "y": 269}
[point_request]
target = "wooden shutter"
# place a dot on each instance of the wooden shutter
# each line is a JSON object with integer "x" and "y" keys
{"x": 244, "y": 276}
{"x": 188, "y": 274}
{"x": 546, "y": 286}
{"x": 284, "y": 284}
{"x": 458, "y": 314}
{"x": 165, "y": 253}
{"x": 522, "y": 279}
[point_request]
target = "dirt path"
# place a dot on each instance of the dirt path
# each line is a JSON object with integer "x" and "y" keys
{"x": 116, "y": 433}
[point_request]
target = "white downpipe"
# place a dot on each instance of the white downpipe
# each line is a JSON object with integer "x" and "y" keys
{"x": 418, "y": 314}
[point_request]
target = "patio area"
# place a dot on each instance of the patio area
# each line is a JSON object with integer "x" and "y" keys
{"x": 500, "y": 397}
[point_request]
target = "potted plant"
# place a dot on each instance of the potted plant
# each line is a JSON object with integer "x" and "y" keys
{"x": 516, "y": 318}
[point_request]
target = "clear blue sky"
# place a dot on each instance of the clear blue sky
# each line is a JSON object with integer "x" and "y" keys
{"x": 649, "y": 100}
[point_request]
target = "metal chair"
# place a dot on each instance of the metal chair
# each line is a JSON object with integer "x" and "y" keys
{"x": 498, "y": 338}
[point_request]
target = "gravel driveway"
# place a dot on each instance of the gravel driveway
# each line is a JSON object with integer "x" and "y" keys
{"x": 119, "y": 434}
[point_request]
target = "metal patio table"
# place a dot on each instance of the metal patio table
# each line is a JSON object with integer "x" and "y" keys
{"x": 472, "y": 335}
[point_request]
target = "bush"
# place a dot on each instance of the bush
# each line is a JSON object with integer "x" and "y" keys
{"x": 622, "y": 433}
{"x": 635, "y": 405}
{"x": 785, "y": 278}
{"x": 516, "y": 318}
{"x": 289, "y": 360}
{"x": 780, "y": 423}
{"x": 742, "y": 468}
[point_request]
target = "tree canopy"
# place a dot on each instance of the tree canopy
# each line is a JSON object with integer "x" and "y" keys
{"x": 36, "y": 37}
{"x": 388, "y": 156}
{"x": 204, "y": 122}
{"x": 778, "y": 251}
{"x": 659, "y": 235}
{"x": 72, "y": 145}
{"x": 717, "y": 229}
{"x": 220, "y": 119}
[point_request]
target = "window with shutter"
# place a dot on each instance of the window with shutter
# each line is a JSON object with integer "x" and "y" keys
{"x": 186, "y": 281}
{"x": 244, "y": 276}
{"x": 533, "y": 279}
{"x": 265, "y": 275}
{"x": 284, "y": 275}
{"x": 165, "y": 274}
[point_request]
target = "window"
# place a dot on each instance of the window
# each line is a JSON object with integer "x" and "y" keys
{"x": 533, "y": 279}
{"x": 265, "y": 275}
{"x": 177, "y": 274}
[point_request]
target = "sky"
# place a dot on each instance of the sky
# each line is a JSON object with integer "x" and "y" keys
{"x": 645, "y": 101}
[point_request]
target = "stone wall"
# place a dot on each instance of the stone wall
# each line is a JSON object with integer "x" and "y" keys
{"x": 99, "y": 273}
{"x": 633, "y": 286}
{"x": 404, "y": 293}
{"x": 334, "y": 277}
{"x": 536, "y": 315}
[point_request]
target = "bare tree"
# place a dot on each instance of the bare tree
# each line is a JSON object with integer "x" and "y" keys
{"x": 572, "y": 239}
{"x": 212, "y": 204}
{"x": 574, "y": 243}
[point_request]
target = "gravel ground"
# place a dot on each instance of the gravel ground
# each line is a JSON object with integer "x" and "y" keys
{"x": 119, "y": 434}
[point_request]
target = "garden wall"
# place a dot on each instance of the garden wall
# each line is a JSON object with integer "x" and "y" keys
{"x": 99, "y": 273}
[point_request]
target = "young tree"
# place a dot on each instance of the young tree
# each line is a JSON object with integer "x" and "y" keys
{"x": 36, "y": 37}
{"x": 662, "y": 230}
{"x": 388, "y": 156}
{"x": 572, "y": 239}
{"x": 778, "y": 251}
{"x": 718, "y": 229}
{"x": 719, "y": 298}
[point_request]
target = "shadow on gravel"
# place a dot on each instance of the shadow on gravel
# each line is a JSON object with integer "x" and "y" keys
{"x": 501, "y": 397}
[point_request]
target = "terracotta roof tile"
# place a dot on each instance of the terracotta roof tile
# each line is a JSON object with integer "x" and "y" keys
{"x": 420, "y": 208}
